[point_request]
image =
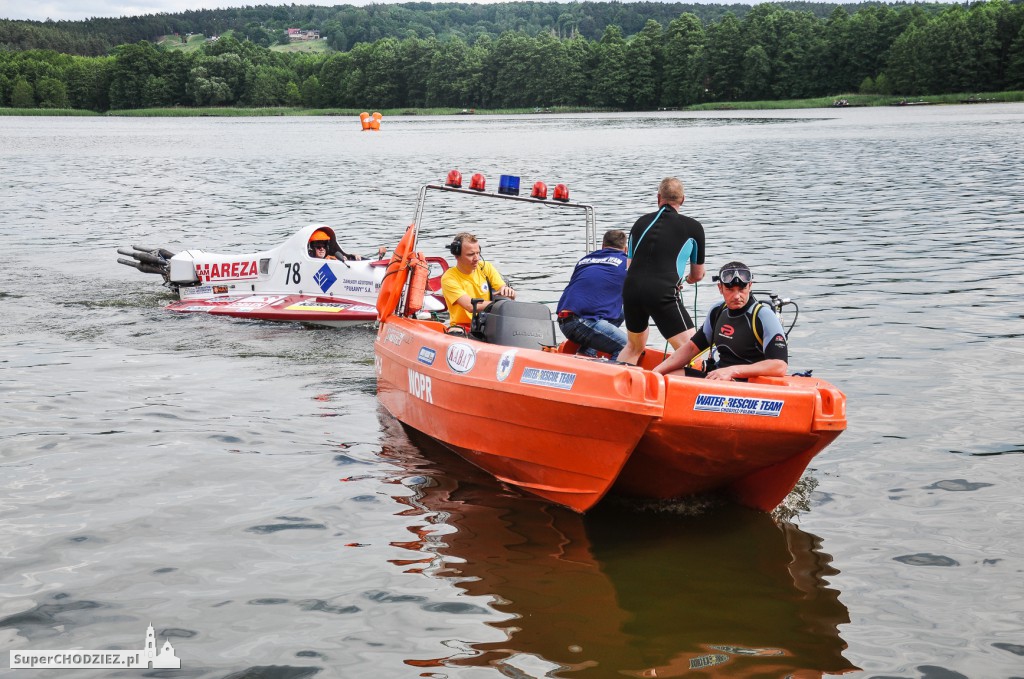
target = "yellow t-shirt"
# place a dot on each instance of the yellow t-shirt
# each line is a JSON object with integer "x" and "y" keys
{"x": 477, "y": 285}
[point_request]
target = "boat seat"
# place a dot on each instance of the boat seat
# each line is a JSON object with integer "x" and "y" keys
{"x": 515, "y": 324}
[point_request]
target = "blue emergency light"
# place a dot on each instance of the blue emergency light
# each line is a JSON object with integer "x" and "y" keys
{"x": 508, "y": 185}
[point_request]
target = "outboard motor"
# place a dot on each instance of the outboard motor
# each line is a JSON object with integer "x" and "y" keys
{"x": 148, "y": 260}
{"x": 515, "y": 324}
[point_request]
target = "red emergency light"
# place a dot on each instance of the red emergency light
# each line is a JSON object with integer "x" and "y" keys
{"x": 454, "y": 179}
{"x": 561, "y": 193}
{"x": 540, "y": 190}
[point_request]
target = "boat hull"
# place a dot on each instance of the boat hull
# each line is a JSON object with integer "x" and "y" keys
{"x": 571, "y": 430}
{"x": 331, "y": 312}
{"x": 508, "y": 410}
{"x": 752, "y": 440}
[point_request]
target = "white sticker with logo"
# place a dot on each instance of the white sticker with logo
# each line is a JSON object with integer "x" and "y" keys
{"x": 505, "y": 364}
{"x": 199, "y": 291}
{"x": 548, "y": 378}
{"x": 714, "y": 403}
{"x": 254, "y": 302}
{"x": 461, "y": 357}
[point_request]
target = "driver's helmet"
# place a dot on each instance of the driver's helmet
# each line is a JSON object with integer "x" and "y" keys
{"x": 320, "y": 238}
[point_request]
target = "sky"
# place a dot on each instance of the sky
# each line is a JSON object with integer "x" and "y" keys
{"x": 74, "y": 10}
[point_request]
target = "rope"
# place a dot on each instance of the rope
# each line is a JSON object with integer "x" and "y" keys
{"x": 695, "y": 305}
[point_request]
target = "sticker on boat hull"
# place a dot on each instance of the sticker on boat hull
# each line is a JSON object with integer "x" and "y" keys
{"x": 199, "y": 291}
{"x": 326, "y": 307}
{"x": 325, "y": 278}
{"x": 461, "y": 357}
{"x": 737, "y": 405}
{"x": 356, "y": 285}
{"x": 505, "y": 364}
{"x": 548, "y": 378}
{"x": 248, "y": 304}
{"x": 238, "y": 270}
{"x": 394, "y": 336}
{"x": 330, "y": 307}
{"x": 420, "y": 386}
{"x": 426, "y": 356}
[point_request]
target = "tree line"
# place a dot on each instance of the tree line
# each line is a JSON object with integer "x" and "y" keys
{"x": 771, "y": 53}
{"x": 344, "y": 26}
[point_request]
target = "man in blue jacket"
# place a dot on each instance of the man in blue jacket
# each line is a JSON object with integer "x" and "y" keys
{"x": 590, "y": 309}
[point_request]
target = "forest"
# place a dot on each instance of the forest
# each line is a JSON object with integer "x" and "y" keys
{"x": 621, "y": 56}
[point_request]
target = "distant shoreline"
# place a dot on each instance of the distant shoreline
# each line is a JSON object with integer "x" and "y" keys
{"x": 838, "y": 101}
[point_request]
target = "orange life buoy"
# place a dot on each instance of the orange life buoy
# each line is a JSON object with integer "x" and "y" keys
{"x": 417, "y": 285}
{"x": 395, "y": 275}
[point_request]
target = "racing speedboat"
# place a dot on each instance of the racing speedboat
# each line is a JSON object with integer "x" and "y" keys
{"x": 285, "y": 283}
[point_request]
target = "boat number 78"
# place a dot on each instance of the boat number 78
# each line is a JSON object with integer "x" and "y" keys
{"x": 292, "y": 275}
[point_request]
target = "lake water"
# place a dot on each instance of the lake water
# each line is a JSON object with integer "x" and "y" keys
{"x": 236, "y": 484}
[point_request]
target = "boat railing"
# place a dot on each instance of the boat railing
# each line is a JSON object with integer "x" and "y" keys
{"x": 588, "y": 210}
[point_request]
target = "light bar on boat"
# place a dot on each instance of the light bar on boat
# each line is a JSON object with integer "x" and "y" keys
{"x": 508, "y": 185}
{"x": 537, "y": 197}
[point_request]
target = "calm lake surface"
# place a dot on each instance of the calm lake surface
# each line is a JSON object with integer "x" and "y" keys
{"x": 236, "y": 484}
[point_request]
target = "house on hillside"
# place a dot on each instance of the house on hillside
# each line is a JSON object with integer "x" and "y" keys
{"x": 295, "y": 34}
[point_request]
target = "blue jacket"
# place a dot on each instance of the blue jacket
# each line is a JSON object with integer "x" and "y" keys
{"x": 595, "y": 288}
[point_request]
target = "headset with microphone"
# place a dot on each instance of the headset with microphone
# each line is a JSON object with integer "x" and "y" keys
{"x": 455, "y": 247}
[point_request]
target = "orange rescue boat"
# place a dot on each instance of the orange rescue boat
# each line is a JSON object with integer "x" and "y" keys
{"x": 571, "y": 429}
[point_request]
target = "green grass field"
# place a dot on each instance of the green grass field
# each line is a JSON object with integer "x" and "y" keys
{"x": 303, "y": 46}
{"x": 194, "y": 42}
{"x": 173, "y": 42}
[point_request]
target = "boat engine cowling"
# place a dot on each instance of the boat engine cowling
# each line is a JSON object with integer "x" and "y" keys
{"x": 183, "y": 268}
{"x": 515, "y": 324}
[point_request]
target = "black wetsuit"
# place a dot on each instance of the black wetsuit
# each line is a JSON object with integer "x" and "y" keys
{"x": 650, "y": 290}
{"x": 734, "y": 337}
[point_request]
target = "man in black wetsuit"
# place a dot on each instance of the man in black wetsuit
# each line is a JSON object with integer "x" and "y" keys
{"x": 746, "y": 338}
{"x": 661, "y": 245}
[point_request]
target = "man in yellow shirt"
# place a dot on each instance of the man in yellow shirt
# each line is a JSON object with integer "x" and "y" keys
{"x": 471, "y": 278}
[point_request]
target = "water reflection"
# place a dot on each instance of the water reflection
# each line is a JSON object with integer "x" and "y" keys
{"x": 618, "y": 592}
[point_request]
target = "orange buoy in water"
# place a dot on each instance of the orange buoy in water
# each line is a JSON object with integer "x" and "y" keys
{"x": 370, "y": 122}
